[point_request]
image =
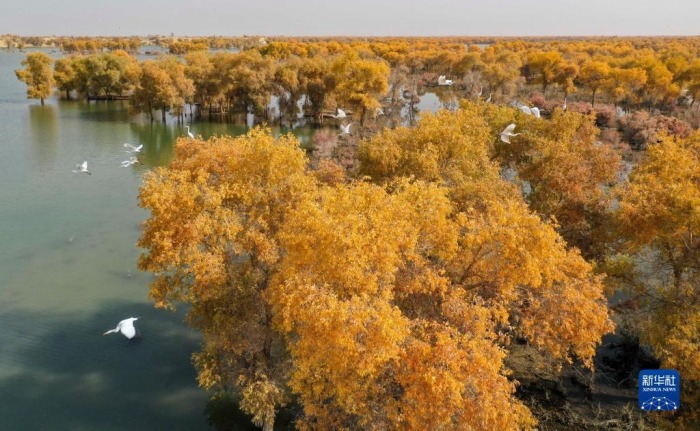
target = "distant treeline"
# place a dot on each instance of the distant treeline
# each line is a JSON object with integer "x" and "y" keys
{"x": 365, "y": 74}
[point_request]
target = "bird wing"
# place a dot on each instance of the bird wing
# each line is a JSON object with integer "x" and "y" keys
{"x": 525, "y": 109}
{"x": 128, "y": 330}
{"x": 535, "y": 111}
{"x": 509, "y": 129}
{"x": 83, "y": 165}
{"x": 139, "y": 147}
{"x": 129, "y": 146}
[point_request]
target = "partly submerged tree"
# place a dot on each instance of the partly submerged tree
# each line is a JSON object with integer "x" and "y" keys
{"x": 65, "y": 75}
{"x": 562, "y": 168}
{"x": 213, "y": 240}
{"x": 377, "y": 305}
{"x": 162, "y": 85}
{"x": 38, "y": 75}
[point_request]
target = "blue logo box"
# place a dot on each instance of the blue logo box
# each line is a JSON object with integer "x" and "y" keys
{"x": 659, "y": 390}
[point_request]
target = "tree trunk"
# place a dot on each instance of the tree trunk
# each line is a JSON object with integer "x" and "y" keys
{"x": 42, "y": 101}
{"x": 593, "y": 98}
{"x": 269, "y": 424}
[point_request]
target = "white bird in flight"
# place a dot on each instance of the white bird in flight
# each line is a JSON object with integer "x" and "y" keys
{"x": 340, "y": 114}
{"x": 345, "y": 129}
{"x": 131, "y": 149}
{"x": 132, "y": 160}
{"x": 81, "y": 168}
{"x": 126, "y": 327}
{"x": 190, "y": 134}
{"x": 531, "y": 111}
{"x": 564, "y": 105}
{"x": 507, "y": 133}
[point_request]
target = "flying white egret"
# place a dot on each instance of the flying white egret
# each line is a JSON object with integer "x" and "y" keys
{"x": 82, "y": 168}
{"x": 131, "y": 149}
{"x": 530, "y": 111}
{"x": 340, "y": 114}
{"x": 126, "y": 327}
{"x": 564, "y": 105}
{"x": 190, "y": 134}
{"x": 507, "y": 133}
{"x": 132, "y": 160}
{"x": 345, "y": 129}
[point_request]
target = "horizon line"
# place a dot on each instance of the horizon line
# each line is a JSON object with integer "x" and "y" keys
{"x": 370, "y": 36}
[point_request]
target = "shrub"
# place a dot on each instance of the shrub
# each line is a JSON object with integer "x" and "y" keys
{"x": 641, "y": 130}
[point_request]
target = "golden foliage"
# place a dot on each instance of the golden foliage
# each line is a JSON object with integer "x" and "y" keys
{"x": 37, "y": 75}
{"x": 658, "y": 220}
{"x": 376, "y": 303}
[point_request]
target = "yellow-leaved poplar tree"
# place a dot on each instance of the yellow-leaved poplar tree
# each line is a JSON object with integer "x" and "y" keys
{"x": 376, "y": 304}
{"x": 38, "y": 75}
{"x": 658, "y": 221}
{"x": 212, "y": 241}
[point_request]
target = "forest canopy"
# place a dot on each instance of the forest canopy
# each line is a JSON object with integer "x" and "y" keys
{"x": 382, "y": 302}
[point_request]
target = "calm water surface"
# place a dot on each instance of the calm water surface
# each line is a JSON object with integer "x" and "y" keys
{"x": 57, "y": 295}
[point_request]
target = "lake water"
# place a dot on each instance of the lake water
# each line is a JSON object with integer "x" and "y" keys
{"x": 68, "y": 270}
{"x": 57, "y": 297}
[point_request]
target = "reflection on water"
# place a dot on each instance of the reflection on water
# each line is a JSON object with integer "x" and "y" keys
{"x": 68, "y": 273}
{"x": 68, "y": 269}
{"x": 43, "y": 130}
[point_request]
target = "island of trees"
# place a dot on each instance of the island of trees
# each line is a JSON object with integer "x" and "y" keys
{"x": 395, "y": 278}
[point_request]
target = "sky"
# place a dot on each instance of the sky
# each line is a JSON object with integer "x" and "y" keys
{"x": 350, "y": 17}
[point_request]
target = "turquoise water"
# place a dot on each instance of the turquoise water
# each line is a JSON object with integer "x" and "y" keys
{"x": 68, "y": 270}
{"x": 57, "y": 296}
